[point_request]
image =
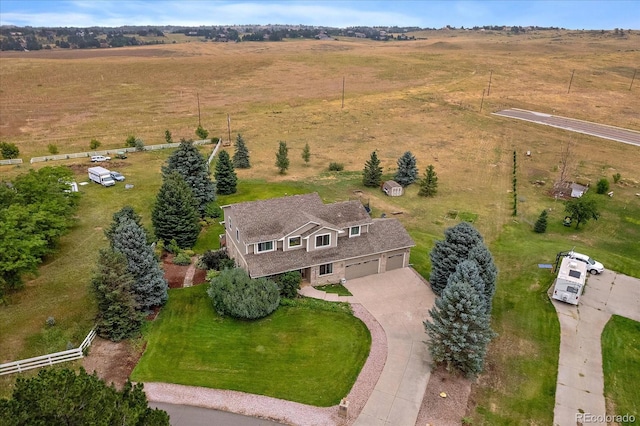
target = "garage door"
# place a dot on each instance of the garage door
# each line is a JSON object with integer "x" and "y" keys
{"x": 395, "y": 262}
{"x": 361, "y": 269}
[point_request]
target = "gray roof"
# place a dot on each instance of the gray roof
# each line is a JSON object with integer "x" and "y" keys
{"x": 384, "y": 235}
{"x": 272, "y": 219}
{"x": 392, "y": 184}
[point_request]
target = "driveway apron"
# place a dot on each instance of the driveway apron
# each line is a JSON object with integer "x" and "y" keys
{"x": 400, "y": 301}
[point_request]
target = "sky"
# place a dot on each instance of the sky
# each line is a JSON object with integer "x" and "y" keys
{"x": 572, "y": 14}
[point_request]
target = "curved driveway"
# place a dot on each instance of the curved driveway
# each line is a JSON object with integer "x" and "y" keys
{"x": 580, "y": 386}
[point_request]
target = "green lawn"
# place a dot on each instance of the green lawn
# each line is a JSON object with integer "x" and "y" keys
{"x": 310, "y": 352}
{"x": 338, "y": 289}
{"x": 621, "y": 366}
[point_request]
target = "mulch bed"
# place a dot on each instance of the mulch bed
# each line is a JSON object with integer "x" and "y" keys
{"x": 174, "y": 274}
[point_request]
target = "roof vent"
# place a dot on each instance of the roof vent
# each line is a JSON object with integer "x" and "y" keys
{"x": 573, "y": 265}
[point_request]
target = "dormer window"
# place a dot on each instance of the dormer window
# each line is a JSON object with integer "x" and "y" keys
{"x": 265, "y": 246}
{"x": 323, "y": 240}
{"x": 294, "y": 242}
{"x": 354, "y": 231}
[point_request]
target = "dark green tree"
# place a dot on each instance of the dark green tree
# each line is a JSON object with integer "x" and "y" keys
{"x": 94, "y": 144}
{"x": 429, "y": 184}
{"x": 407, "y": 172}
{"x": 241, "y": 154}
{"x": 582, "y": 209}
{"x": 459, "y": 329}
{"x": 131, "y": 141}
{"x": 127, "y": 212}
{"x": 372, "y": 173}
{"x": 62, "y": 397}
{"x": 603, "y": 186}
{"x": 306, "y": 153}
{"x": 150, "y": 286}
{"x": 481, "y": 255}
{"x": 225, "y": 175}
{"x": 9, "y": 150}
{"x": 193, "y": 168}
{"x": 541, "y": 224}
{"x": 288, "y": 283}
{"x": 174, "y": 215}
{"x": 282, "y": 158}
{"x": 201, "y": 132}
{"x": 446, "y": 254}
{"x": 167, "y": 136}
{"x": 118, "y": 316}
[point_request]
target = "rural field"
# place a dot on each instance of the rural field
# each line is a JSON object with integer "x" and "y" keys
{"x": 423, "y": 96}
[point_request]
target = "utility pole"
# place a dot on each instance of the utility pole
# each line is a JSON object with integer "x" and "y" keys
{"x": 198, "y": 95}
{"x": 633, "y": 78}
{"x": 343, "y": 92}
{"x": 570, "y": 81}
{"x": 490, "y": 75}
{"x": 482, "y": 101}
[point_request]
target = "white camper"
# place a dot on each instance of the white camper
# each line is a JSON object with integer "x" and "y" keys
{"x": 101, "y": 175}
{"x": 570, "y": 281}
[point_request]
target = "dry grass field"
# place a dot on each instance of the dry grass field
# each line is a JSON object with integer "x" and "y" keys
{"x": 422, "y": 95}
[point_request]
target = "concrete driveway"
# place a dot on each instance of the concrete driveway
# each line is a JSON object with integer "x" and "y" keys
{"x": 580, "y": 387}
{"x": 400, "y": 301}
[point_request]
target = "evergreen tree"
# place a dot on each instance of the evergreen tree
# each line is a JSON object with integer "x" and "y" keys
{"x": 282, "y": 158}
{"x": 193, "y": 167}
{"x": 112, "y": 285}
{"x": 446, "y": 254}
{"x": 407, "y": 171}
{"x": 469, "y": 272}
{"x": 541, "y": 224}
{"x": 201, "y": 132}
{"x": 167, "y": 136}
{"x": 150, "y": 287}
{"x": 481, "y": 255}
{"x": 174, "y": 215}
{"x": 372, "y": 173}
{"x": 241, "y": 154}
{"x": 429, "y": 184}
{"x": 127, "y": 212}
{"x": 459, "y": 329}
{"x": 306, "y": 153}
{"x": 226, "y": 179}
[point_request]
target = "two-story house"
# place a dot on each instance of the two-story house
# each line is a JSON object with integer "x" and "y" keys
{"x": 325, "y": 242}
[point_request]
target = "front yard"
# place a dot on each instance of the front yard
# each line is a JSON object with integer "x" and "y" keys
{"x": 307, "y": 351}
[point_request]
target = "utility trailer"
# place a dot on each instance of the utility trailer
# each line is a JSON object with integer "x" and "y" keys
{"x": 570, "y": 282}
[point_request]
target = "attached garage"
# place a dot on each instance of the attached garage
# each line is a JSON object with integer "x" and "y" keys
{"x": 395, "y": 261}
{"x": 361, "y": 269}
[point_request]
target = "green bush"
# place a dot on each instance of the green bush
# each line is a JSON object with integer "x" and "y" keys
{"x": 603, "y": 186}
{"x": 235, "y": 294}
{"x": 616, "y": 177}
{"x": 182, "y": 259}
{"x": 216, "y": 260}
{"x": 53, "y": 149}
{"x": 9, "y": 150}
{"x": 131, "y": 141}
{"x": 288, "y": 283}
{"x": 213, "y": 210}
{"x": 94, "y": 144}
{"x": 336, "y": 167}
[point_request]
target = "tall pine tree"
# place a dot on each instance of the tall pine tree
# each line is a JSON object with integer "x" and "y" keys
{"x": 193, "y": 167}
{"x": 127, "y": 212}
{"x": 174, "y": 215}
{"x": 481, "y": 255}
{"x": 241, "y": 154}
{"x": 468, "y": 271}
{"x": 541, "y": 224}
{"x": 282, "y": 158}
{"x": 226, "y": 179}
{"x": 459, "y": 329}
{"x": 407, "y": 170}
{"x": 372, "y": 173}
{"x": 306, "y": 153}
{"x": 118, "y": 317}
{"x": 150, "y": 287}
{"x": 429, "y": 184}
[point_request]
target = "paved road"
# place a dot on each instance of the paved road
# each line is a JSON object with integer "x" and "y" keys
{"x": 400, "y": 301}
{"x": 618, "y": 134}
{"x": 185, "y": 415}
{"x": 580, "y": 386}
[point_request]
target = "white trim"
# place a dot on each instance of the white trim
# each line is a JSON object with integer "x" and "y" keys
{"x": 326, "y": 273}
{"x": 359, "y": 231}
{"x": 289, "y": 246}
{"x": 315, "y": 241}
{"x": 257, "y": 247}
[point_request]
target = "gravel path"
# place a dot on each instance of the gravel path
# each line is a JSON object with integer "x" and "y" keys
{"x": 287, "y": 412}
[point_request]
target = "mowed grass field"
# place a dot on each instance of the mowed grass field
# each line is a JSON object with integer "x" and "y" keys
{"x": 423, "y": 96}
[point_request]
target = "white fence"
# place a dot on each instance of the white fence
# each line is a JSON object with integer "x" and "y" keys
{"x": 111, "y": 151}
{"x": 47, "y": 360}
{"x": 11, "y": 161}
{"x": 215, "y": 150}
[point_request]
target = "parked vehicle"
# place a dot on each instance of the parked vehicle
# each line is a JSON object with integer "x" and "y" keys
{"x": 117, "y": 176}
{"x": 101, "y": 175}
{"x": 572, "y": 276}
{"x": 99, "y": 158}
{"x": 121, "y": 155}
{"x": 594, "y": 267}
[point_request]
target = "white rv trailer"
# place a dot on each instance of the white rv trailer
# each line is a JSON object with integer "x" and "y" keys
{"x": 570, "y": 281}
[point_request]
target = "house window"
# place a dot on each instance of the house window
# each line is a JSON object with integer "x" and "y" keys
{"x": 266, "y": 246}
{"x": 323, "y": 240}
{"x": 230, "y": 227}
{"x": 237, "y": 235}
{"x": 354, "y": 231}
{"x": 326, "y": 269}
{"x": 295, "y": 241}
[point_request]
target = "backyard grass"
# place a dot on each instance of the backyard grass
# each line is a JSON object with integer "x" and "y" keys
{"x": 338, "y": 289}
{"x": 621, "y": 366}
{"x": 308, "y": 351}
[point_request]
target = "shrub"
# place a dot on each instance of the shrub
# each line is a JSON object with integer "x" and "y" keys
{"x": 51, "y": 321}
{"x": 616, "y": 178}
{"x": 94, "y": 144}
{"x": 53, "y": 149}
{"x": 288, "y": 283}
{"x": 9, "y": 150}
{"x": 235, "y": 294}
{"x": 131, "y": 141}
{"x": 173, "y": 247}
{"x": 215, "y": 259}
{"x": 603, "y": 186}
{"x": 336, "y": 167}
{"x": 139, "y": 144}
{"x": 182, "y": 259}
{"x": 213, "y": 210}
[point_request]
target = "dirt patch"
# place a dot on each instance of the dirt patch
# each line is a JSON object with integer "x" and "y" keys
{"x": 174, "y": 274}
{"x": 450, "y": 410}
{"x": 112, "y": 362}
{"x": 200, "y": 277}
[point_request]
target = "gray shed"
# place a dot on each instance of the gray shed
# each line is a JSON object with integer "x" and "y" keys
{"x": 578, "y": 190}
{"x": 392, "y": 188}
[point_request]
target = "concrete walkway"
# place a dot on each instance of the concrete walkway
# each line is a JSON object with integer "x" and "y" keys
{"x": 580, "y": 387}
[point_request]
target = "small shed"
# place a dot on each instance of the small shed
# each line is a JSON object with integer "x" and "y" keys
{"x": 392, "y": 188}
{"x": 578, "y": 190}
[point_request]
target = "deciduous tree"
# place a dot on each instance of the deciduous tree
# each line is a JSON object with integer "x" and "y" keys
{"x": 429, "y": 184}
{"x": 372, "y": 173}
{"x": 241, "y": 154}
{"x": 225, "y": 175}
{"x": 582, "y": 209}
{"x": 407, "y": 172}
{"x": 282, "y": 158}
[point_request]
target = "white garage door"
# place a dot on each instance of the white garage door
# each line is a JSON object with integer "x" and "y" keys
{"x": 361, "y": 269}
{"x": 395, "y": 261}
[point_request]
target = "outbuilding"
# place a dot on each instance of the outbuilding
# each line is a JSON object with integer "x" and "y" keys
{"x": 392, "y": 188}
